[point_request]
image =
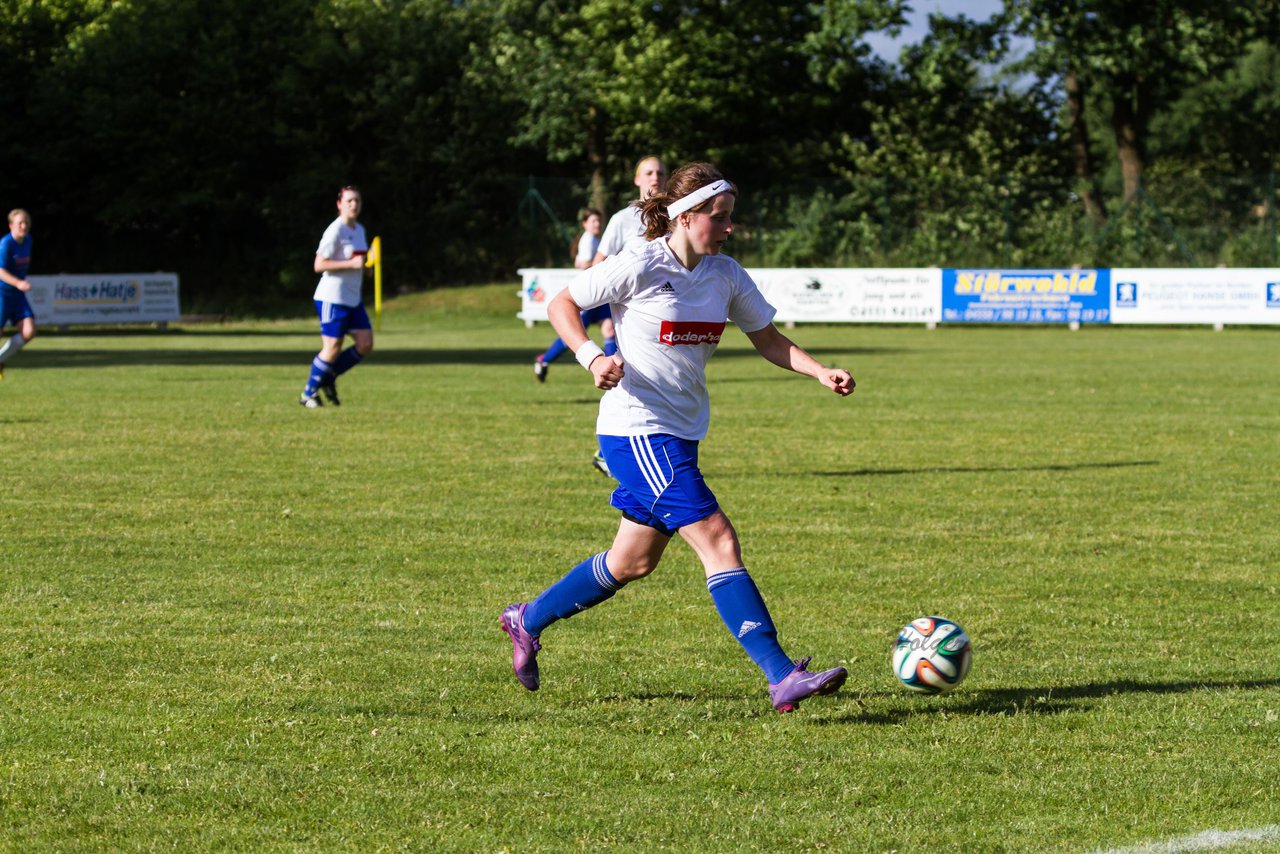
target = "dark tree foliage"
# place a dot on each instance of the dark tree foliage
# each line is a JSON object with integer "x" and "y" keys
{"x": 209, "y": 137}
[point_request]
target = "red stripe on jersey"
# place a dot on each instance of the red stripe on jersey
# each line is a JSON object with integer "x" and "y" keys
{"x": 678, "y": 333}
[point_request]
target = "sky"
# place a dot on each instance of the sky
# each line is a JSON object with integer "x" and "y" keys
{"x": 918, "y": 22}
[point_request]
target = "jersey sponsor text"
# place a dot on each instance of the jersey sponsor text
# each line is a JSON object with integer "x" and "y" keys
{"x": 689, "y": 332}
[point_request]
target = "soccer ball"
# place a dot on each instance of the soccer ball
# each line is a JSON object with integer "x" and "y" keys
{"x": 932, "y": 655}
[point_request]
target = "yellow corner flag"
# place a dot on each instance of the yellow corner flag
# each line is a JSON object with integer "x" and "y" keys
{"x": 374, "y": 259}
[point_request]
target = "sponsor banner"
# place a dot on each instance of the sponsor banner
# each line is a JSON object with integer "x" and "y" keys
{"x": 820, "y": 295}
{"x": 538, "y": 288}
{"x": 1206, "y": 295}
{"x": 852, "y": 295}
{"x": 1216, "y": 296}
{"x": 105, "y": 298}
{"x": 1026, "y": 296}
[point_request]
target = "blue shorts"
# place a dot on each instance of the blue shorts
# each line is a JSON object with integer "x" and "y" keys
{"x": 659, "y": 483}
{"x": 14, "y": 307}
{"x": 337, "y": 320}
{"x": 595, "y": 315}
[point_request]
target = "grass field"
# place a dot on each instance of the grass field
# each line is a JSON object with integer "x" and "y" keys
{"x": 229, "y": 623}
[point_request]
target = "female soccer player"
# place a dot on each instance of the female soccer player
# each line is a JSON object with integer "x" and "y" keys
{"x": 670, "y": 301}
{"x": 584, "y": 251}
{"x": 625, "y": 232}
{"x": 15, "y": 309}
{"x": 340, "y": 263}
{"x": 584, "y": 248}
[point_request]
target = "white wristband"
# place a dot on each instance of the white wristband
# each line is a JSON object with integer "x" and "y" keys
{"x": 587, "y": 354}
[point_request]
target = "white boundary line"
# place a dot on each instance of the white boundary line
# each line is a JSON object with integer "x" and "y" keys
{"x": 1209, "y": 840}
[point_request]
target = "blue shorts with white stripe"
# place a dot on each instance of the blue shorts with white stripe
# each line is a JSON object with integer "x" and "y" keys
{"x": 659, "y": 483}
{"x": 337, "y": 320}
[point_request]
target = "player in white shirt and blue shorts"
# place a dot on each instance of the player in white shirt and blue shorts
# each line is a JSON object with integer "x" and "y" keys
{"x": 340, "y": 261}
{"x": 584, "y": 256}
{"x": 670, "y": 301}
{"x": 624, "y": 233}
{"x": 626, "y": 230}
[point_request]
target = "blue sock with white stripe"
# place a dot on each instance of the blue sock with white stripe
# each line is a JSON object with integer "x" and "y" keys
{"x": 349, "y": 358}
{"x": 743, "y": 610}
{"x": 589, "y": 583}
{"x": 320, "y": 371}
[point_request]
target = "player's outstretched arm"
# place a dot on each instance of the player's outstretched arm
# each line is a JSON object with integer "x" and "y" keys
{"x": 785, "y": 353}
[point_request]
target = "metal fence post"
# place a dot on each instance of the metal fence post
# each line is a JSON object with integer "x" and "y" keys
{"x": 1271, "y": 209}
{"x": 884, "y": 220}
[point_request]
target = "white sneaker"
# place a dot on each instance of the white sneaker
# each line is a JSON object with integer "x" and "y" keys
{"x": 601, "y": 465}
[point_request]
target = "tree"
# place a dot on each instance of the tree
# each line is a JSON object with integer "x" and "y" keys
{"x": 604, "y": 81}
{"x": 950, "y": 149}
{"x": 1229, "y": 123}
{"x": 1135, "y": 57}
{"x": 209, "y": 136}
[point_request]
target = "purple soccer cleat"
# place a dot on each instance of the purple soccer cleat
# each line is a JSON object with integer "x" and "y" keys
{"x": 801, "y": 683}
{"x": 524, "y": 656}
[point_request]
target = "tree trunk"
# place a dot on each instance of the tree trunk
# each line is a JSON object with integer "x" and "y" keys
{"x": 1129, "y": 114}
{"x": 597, "y": 157}
{"x": 1087, "y": 185}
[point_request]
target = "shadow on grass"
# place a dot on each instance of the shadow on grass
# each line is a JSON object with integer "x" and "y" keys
{"x": 116, "y": 357}
{"x": 174, "y": 332}
{"x": 986, "y": 469}
{"x": 1006, "y": 702}
{"x": 575, "y": 401}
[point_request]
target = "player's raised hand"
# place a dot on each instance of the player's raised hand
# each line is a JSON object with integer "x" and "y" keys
{"x": 838, "y": 380}
{"x": 607, "y": 371}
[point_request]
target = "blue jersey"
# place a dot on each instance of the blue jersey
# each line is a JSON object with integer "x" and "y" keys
{"x": 15, "y": 257}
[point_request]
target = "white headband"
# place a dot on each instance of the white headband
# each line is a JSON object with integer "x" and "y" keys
{"x": 697, "y": 197}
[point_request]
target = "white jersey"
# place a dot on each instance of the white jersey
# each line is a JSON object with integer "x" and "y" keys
{"x": 668, "y": 321}
{"x": 587, "y": 245}
{"x": 624, "y": 231}
{"x": 340, "y": 243}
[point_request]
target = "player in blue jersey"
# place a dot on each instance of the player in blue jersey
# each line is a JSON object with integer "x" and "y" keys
{"x": 670, "y": 302}
{"x": 340, "y": 261}
{"x": 15, "y": 309}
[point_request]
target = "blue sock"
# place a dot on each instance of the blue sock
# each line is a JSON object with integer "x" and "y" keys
{"x": 320, "y": 371}
{"x": 589, "y": 583}
{"x": 744, "y": 612}
{"x": 349, "y": 359}
{"x": 553, "y": 352}
{"x": 610, "y": 346}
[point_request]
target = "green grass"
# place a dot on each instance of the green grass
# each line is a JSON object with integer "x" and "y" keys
{"x": 229, "y": 623}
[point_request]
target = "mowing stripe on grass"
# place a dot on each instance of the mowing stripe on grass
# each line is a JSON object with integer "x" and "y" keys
{"x": 1209, "y": 840}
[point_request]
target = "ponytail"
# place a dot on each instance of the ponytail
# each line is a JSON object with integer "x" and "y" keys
{"x": 653, "y": 212}
{"x": 684, "y": 182}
